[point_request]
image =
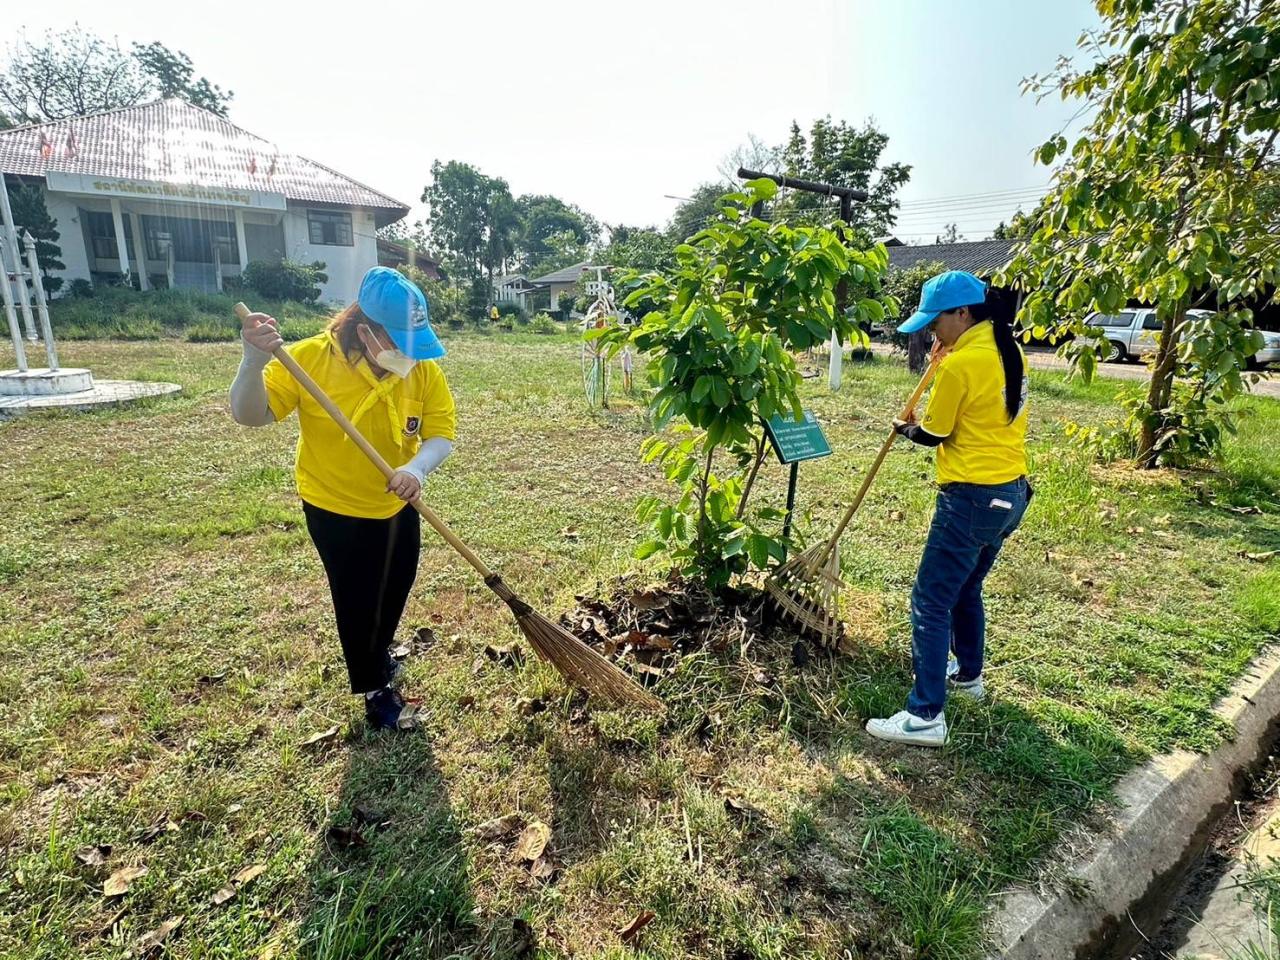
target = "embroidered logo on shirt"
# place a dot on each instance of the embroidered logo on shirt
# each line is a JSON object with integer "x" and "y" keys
{"x": 411, "y": 425}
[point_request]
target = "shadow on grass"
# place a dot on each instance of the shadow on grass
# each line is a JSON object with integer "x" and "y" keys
{"x": 934, "y": 834}
{"x": 390, "y": 877}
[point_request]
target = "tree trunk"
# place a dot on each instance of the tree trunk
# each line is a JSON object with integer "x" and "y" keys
{"x": 918, "y": 351}
{"x": 703, "y": 489}
{"x": 1161, "y": 387}
{"x": 751, "y": 477}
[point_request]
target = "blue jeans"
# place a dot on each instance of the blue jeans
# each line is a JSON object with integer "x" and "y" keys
{"x": 970, "y": 525}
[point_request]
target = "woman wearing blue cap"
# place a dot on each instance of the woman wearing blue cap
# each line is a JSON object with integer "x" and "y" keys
{"x": 977, "y": 419}
{"x": 376, "y": 361}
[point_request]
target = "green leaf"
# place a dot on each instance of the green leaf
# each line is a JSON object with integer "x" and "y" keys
{"x": 715, "y": 433}
{"x": 649, "y": 548}
{"x": 758, "y": 550}
{"x": 701, "y": 388}
{"x": 713, "y": 322}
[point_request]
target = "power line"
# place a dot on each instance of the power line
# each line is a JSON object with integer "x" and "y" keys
{"x": 972, "y": 196}
{"x": 973, "y": 204}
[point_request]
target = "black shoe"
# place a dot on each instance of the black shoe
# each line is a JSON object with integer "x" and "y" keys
{"x": 383, "y": 709}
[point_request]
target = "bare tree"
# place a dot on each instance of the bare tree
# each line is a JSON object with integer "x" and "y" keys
{"x": 68, "y": 74}
{"x": 71, "y": 73}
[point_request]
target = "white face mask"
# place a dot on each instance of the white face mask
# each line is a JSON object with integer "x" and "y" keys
{"x": 395, "y": 361}
{"x": 389, "y": 358}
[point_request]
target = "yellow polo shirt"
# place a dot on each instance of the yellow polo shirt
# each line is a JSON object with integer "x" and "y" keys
{"x": 967, "y": 407}
{"x": 394, "y": 414}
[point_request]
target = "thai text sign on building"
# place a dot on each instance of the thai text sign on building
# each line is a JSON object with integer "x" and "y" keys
{"x": 154, "y": 190}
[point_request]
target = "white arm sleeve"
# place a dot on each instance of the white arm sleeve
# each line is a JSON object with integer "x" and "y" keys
{"x": 249, "y": 406}
{"x": 429, "y": 456}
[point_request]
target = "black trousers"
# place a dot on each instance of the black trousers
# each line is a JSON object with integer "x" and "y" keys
{"x": 371, "y": 566}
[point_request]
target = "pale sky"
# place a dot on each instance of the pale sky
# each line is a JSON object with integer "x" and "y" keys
{"x": 613, "y": 106}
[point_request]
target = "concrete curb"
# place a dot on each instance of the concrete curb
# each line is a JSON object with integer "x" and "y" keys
{"x": 1164, "y": 807}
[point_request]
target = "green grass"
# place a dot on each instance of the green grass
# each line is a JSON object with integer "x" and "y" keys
{"x": 121, "y": 314}
{"x": 166, "y": 646}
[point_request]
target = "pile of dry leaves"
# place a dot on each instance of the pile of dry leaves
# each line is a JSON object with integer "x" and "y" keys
{"x": 653, "y": 624}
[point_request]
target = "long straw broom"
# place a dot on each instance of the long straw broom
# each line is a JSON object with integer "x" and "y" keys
{"x": 807, "y": 587}
{"x": 576, "y": 661}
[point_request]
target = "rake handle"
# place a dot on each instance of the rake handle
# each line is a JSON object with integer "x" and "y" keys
{"x": 368, "y": 449}
{"x": 885, "y": 447}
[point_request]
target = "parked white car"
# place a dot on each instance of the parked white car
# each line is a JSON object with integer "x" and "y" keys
{"x": 1132, "y": 335}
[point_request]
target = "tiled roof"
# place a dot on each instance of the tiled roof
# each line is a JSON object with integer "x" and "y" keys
{"x": 172, "y": 141}
{"x": 567, "y": 275}
{"x": 980, "y": 257}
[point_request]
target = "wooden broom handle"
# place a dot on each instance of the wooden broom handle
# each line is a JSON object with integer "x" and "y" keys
{"x": 885, "y": 447}
{"x": 358, "y": 438}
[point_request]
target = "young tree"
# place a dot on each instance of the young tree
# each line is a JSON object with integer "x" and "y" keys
{"x": 722, "y": 324}
{"x": 30, "y": 215}
{"x": 73, "y": 72}
{"x": 1163, "y": 199}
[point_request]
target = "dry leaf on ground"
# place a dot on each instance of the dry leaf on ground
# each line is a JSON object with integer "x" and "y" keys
{"x": 533, "y": 841}
{"x": 118, "y": 883}
{"x": 632, "y": 930}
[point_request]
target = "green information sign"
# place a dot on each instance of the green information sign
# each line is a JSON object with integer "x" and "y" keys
{"x": 794, "y": 440}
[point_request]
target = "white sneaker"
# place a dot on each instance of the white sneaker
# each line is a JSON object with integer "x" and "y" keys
{"x": 906, "y": 727}
{"x": 973, "y": 689}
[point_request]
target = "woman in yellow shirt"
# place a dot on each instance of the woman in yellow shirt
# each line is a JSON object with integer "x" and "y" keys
{"x": 977, "y": 419}
{"x": 376, "y": 361}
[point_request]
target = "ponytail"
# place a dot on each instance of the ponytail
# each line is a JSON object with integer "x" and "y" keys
{"x": 1010, "y": 354}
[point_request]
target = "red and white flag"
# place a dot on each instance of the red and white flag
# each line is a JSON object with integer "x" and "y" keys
{"x": 46, "y": 145}
{"x": 73, "y": 149}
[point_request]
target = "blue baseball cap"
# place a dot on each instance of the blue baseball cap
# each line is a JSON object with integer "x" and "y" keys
{"x": 389, "y": 298}
{"x": 946, "y": 291}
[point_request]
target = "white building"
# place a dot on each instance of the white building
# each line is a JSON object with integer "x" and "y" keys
{"x": 168, "y": 194}
{"x": 515, "y": 288}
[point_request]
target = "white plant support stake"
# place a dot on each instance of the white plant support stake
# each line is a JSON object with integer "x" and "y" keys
{"x": 836, "y": 371}
{"x": 42, "y": 302}
{"x": 14, "y": 330}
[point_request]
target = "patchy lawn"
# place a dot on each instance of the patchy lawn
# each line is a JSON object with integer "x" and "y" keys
{"x": 167, "y": 652}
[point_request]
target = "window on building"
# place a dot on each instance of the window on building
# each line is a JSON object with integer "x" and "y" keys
{"x": 102, "y": 234}
{"x": 331, "y": 228}
{"x": 192, "y": 240}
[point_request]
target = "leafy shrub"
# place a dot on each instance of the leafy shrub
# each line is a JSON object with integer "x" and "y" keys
{"x": 543, "y": 323}
{"x": 79, "y": 288}
{"x": 285, "y": 279}
{"x": 514, "y": 311}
